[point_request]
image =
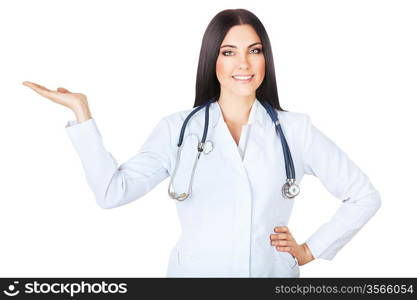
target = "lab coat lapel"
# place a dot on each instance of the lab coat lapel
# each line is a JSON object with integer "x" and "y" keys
{"x": 223, "y": 141}
{"x": 255, "y": 135}
{"x": 256, "y": 121}
{"x": 229, "y": 146}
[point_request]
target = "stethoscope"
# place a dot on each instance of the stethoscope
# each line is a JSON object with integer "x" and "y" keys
{"x": 289, "y": 190}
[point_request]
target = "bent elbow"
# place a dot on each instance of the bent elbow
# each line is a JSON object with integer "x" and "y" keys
{"x": 106, "y": 200}
{"x": 113, "y": 196}
{"x": 377, "y": 201}
{"x": 111, "y": 199}
{"x": 373, "y": 202}
{"x": 104, "y": 204}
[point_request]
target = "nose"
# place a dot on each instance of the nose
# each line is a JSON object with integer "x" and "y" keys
{"x": 243, "y": 62}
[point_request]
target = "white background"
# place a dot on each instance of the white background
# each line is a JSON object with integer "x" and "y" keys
{"x": 350, "y": 65}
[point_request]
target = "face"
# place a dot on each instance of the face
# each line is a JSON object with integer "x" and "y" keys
{"x": 241, "y": 53}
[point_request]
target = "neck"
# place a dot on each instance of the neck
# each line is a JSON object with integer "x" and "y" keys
{"x": 235, "y": 108}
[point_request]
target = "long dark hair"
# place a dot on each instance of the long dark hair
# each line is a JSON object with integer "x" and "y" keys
{"x": 207, "y": 85}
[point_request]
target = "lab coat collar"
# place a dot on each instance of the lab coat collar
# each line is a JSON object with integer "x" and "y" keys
{"x": 257, "y": 114}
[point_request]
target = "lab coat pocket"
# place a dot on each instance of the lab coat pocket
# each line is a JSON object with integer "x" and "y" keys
{"x": 187, "y": 259}
{"x": 201, "y": 265}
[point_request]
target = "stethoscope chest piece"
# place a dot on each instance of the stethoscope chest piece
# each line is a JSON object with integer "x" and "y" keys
{"x": 290, "y": 189}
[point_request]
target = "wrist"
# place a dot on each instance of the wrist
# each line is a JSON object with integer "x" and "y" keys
{"x": 82, "y": 112}
{"x": 309, "y": 256}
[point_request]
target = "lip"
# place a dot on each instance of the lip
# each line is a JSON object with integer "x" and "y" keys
{"x": 241, "y": 80}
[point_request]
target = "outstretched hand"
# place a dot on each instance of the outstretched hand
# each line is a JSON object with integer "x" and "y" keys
{"x": 77, "y": 102}
{"x": 61, "y": 95}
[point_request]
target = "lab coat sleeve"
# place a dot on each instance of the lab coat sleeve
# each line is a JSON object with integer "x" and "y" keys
{"x": 346, "y": 181}
{"x": 115, "y": 185}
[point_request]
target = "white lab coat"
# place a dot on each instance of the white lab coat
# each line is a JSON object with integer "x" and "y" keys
{"x": 236, "y": 197}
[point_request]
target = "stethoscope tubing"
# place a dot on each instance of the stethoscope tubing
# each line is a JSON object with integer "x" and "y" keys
{"x": 290, "y": 189}
{"x": 289, "y": 165}
{"x": 206, "y": 121}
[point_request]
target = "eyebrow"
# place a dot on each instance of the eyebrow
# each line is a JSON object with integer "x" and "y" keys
{"x": 233, "y": 46}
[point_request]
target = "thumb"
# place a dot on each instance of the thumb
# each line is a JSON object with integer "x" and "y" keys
{"x": 62, "y": 90}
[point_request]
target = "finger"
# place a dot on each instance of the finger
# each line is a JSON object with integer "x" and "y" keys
{"x": 284, "y": 249}
{"x": 34, "y": 85}
{"x": 283, "y": 243}
{"x": 29, "y": 84}
{"x": 281, "y": 229}
{"x": 41, "y": 90}
{"x": 284, "y": 229}
{"x": 44, "y": 93}
{"x": 37, "y": 88}
{"x": 278, "y": 236}
{"x": 63, "y": 90}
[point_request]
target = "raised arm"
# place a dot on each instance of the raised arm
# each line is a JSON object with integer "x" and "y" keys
{"x": 112, "y": 185}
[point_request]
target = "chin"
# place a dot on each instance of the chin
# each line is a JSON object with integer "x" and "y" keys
{"x": 240, "y": 90}
{"x": 244, "y": 93}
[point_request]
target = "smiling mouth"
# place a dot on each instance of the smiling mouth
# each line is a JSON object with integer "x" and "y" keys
{"x": 243, "y": 78}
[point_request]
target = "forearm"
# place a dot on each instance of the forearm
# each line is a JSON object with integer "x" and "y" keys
{"x": 112, "y": 184}
{"x": 351, "y": 216}
{"x": 99, "y": 165}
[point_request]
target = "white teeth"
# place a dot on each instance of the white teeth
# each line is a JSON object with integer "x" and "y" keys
{"x": 242, "y": 77}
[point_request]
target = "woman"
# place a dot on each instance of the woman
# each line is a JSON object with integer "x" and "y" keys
{"x": 234, "y": 222}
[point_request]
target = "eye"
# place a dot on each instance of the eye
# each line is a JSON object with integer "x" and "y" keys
{"x": 259, "y": 50}
{"x": 227, "y": 51}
